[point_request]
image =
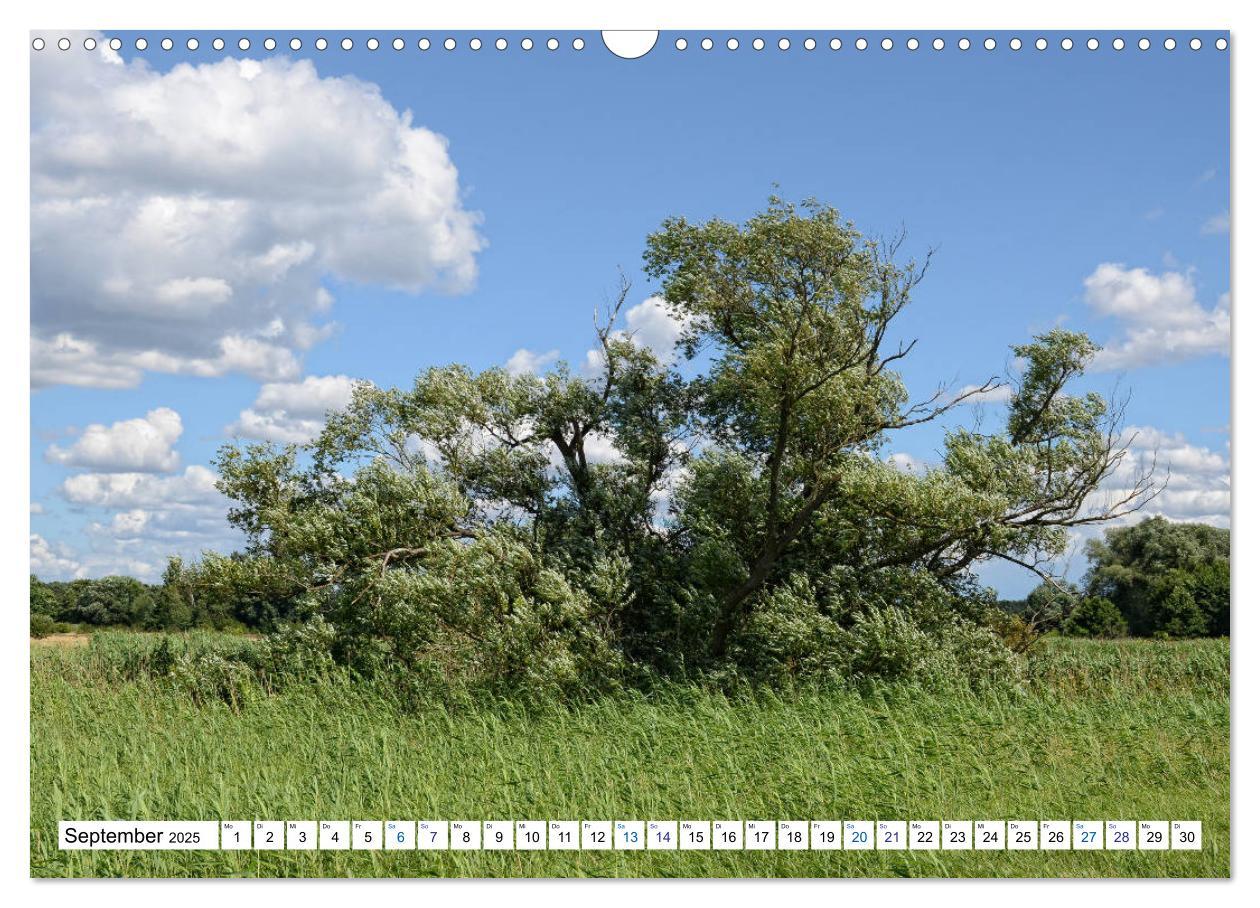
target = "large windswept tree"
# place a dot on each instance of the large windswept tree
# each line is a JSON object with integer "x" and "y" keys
{"x": 647, "y": 512}
{"x": 793, "y": 309}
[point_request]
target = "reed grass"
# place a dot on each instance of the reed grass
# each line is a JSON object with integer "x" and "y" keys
{"x": 1104, "y": 730}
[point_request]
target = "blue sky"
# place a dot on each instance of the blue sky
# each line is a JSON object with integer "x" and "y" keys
{"x": 1083, "y": 188}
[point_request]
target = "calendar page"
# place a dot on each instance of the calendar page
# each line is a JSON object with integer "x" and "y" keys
{"x": 707, "y": 453}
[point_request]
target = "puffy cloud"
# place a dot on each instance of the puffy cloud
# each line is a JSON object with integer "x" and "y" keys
{"x": 650, "y": 324}
{"x": 67, "y": 360}
{"x": 58, "y": 561}
{"x": 907, "y": 463}
{"x": 191, "y": 489}
{"x": 1163, "y": 320}
{"x": 294, "y": 412}
{"x": 593, "y": 364}
{"x": 183, "y": 222}
{"x": 194, "y": 295}
{"x": 1166, "y": 300}
{"x": 138, "y": 520}
{"x": 1184, "y": 459}
{"x": 1216, "y": 224}
{"x": 602, "y": 449}
{"x": 526, "y": 362}
{"x": 314, "y": 395}
{"x": 71, "y": 361}
{"x": 51, "y": 560}
{"x": 133, "y": 445}
{"x": 169, "y": 527}
{"x": 1196, "y": 479}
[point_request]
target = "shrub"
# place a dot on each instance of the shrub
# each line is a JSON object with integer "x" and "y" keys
{"x": 933, "y": 649}
{"x": 1095, "y": 617}
{"x": 1015, "y": 631}
{"x": 897, "y": 626}
{"x": 117, "y": 656}
{"x": 300, "y": 651}
{"x": 1174, "y": 611}
{"x": 208, "y": 677}
{"x": 43, "y": 625}
{"x": 485, "y": 616}
{"x": 788, "y": 638}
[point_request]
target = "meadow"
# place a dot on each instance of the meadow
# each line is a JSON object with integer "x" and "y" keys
{"x": 1133, "y": 729}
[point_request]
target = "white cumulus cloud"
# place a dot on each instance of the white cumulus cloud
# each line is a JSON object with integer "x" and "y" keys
{"x": 136, "y": 522}
{"x": 67, "y": 360}
{"x": 185, "y": 221}
{"x": 52, "y": 560}
{"x": 649, "y": 324}
{"x": 1196, "y": 479}
{"x": 907, "y": 463}
{"x": 529, "y": 362}
{"x": 1162, "y": 318}
{"x": 190, "y": 489}
{"x": 294, "y": 412}
{"x": 602, "y": 449}
{"x": 143, "y": 445}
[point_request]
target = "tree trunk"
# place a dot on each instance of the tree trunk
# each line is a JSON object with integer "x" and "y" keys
{"x": 732, "y": 608}
{"x": 733, "y": 604}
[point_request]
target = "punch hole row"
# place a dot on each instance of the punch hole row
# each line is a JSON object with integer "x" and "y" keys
{"x": 680, "y": 44}
{"x": 938, "y": 44}
{"x": 270, "y": 44}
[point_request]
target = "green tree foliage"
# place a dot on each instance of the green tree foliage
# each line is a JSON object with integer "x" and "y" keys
{"x": 1094, "y": 617}
{"x": 728, "y": 514}
{"x": 793, "y": 310}
{"x": 1210, "y": 586}
{"x": 42, "y": 624}
{"x": 1050, "y": 603}
{"x": 111, "y": 601}
{"x": 1166, "y": 578}
{"x": 905, "y": 626}
{"x": 44, "y": 598}
{"x": 1173, "y": 611}
{"x": 127, "y": 602}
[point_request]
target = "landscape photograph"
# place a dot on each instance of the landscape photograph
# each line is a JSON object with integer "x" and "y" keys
{"x": 495, "y": 431}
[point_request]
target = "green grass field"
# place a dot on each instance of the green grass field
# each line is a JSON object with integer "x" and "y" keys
{"x": 1128, "y": 730}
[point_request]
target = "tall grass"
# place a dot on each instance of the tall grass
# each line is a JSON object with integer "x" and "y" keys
{"x": 1134, "y": 729}
{"x": 117, "y": 656}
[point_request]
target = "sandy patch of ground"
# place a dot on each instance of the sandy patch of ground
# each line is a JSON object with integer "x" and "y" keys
{"x": 62, "y": 640}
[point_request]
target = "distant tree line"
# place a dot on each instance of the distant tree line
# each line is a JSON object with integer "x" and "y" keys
{"x": 1152, "y": 579}
{"x": 173, "y": 604}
